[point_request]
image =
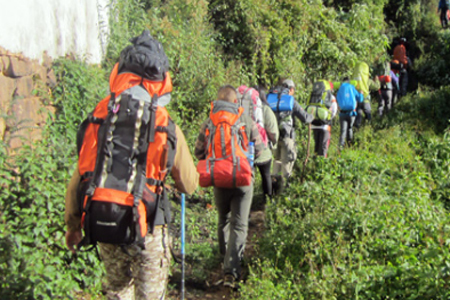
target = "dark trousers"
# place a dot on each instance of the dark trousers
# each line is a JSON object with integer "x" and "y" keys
{"x": 321, "y": 141}
{"x": 403, "y": 82}
{"x": 233, "y": 207}
{"x": 346, "y": 129}
{"x": 394, "y": 97}
{"x": 385, "y": 103}
{"x": 444, "y": 18}
{"x": 264, "y": 170}
{"x": 366, "y": 109}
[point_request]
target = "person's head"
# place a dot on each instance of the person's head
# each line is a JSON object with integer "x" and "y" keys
{"x": 289, "y": 84}
{"x": 227, "y": 93}
{"x": 346, "y": 79}
{"x": 262, "y": 93}
{"x": 402, "y": 41}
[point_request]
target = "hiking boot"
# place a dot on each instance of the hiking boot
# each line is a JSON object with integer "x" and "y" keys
{"x": 230, "y": 281}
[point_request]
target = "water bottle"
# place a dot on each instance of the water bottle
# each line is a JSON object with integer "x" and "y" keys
{"x": 251, "y": 153}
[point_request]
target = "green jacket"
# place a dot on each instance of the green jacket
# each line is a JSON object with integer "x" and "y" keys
{"x": 271, "y": 126}
{"x": 363, "y": 83}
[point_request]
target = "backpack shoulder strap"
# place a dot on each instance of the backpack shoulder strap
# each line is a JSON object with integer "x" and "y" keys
{"x": 90, "y": 119}
{"x": 101, "y": 136}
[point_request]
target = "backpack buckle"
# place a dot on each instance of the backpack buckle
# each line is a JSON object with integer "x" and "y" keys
{"x": 115, "y": 108}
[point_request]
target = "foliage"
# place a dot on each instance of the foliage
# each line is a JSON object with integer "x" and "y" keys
{"x": 364, "y": 225}
{"x": 33, "y": 261}
{"x": 436, "y": 154}
{"x": 367, "y": 223}
{"x": 304, "y": 40}
{"x": 433, "y": 66}
{"x": 426, "y": 110}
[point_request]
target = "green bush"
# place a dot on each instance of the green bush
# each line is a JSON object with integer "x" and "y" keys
{"x": 363, "y": 226}
{"x": 367, "y": 223}
{"x": 34, "y": 262}
{"x": 432, "y": 68}
{"x": 304, "y": 40}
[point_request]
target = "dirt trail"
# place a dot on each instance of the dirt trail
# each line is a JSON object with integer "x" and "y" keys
{"x": 211, "y": 289}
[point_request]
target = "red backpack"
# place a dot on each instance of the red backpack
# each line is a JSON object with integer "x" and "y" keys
{"x": 226, "y": 164}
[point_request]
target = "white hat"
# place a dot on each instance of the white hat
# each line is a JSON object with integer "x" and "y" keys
{"x": 288, "y": 83}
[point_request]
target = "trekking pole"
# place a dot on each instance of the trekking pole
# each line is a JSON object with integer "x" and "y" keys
{"x": 307, "y": 152}
{"x": 183, "y": 213}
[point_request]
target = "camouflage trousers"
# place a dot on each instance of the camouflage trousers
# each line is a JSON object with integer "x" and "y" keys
{"x": 140, "y": 274}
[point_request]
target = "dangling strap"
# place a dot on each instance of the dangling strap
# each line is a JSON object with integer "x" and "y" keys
{"x": 141, "y": 168}
{"x": 102, "y": 135}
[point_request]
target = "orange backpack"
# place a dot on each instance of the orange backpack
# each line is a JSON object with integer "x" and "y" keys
{"x": 400, "y": 54}
{"x": 226, "y": 164}
{"x": 126, "y": 147}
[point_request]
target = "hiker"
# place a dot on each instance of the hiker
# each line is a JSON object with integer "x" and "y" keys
{"x": 285, "y": 153}
{"x": 323, "y": 106}
{"x": 400, "y": 54}
{"x": 395, "y": 87}
{"x": 255, "y": 105}
{"x": 364, "y": 84}
{"x": 224, "y": 141}
{"x": 264, "y": 161}
{"x": 443, "y": 7}
{"x": 395, "y": 78}
{"x": 117, "y": 195}
{"x": 347, "y": 99}
{"x": 386, "y": 92}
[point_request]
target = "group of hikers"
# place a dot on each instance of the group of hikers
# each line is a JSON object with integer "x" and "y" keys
{"x": 117, "y": 197}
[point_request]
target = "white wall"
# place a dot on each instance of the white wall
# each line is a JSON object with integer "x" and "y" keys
{"x": 57, "y": 26}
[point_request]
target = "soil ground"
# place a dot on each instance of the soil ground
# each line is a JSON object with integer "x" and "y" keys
{"x": 212, "y": 288}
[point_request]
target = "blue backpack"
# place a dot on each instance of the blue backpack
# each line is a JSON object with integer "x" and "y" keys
{"x": 278, "y": 101}
{"x": 346, "y": 97}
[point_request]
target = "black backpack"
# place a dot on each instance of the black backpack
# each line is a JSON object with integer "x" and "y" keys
{"x": 321, "y": 94}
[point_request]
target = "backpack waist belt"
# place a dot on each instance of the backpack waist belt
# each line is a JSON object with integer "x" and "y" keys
{"x": 155, "y": 182}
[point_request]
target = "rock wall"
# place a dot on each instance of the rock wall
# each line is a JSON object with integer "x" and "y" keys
{"x": 23, "y": 114}
{"x": 32, "y": 33}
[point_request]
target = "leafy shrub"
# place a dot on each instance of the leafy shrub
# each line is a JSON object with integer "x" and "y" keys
{"x": 368, "y": 223}
{"x": 304, "y": 40}
{"x": 33, "y": 260}
{"x": 432, "y": 67}
{"x": 436, "y": 154}
{"x": 427, "y": 110}
{"x": 363, "y": 226}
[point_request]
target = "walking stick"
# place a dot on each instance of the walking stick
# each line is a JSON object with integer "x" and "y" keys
{"x": 183, "y": 213}
{"x": 307, "y": 152}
